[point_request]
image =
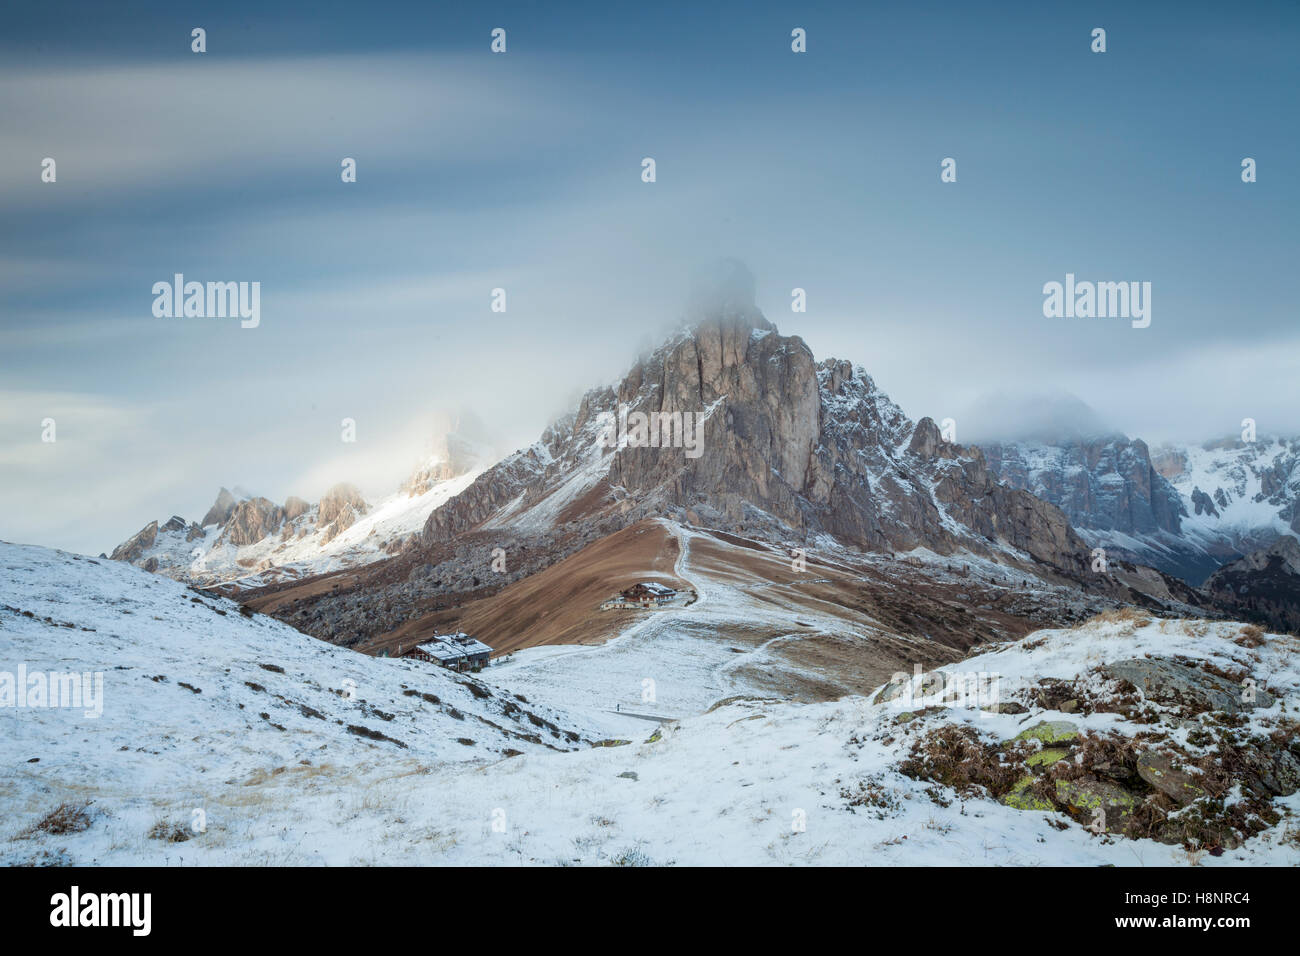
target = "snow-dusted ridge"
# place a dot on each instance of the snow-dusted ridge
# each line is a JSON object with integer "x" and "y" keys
{"x": 295, "y": 545}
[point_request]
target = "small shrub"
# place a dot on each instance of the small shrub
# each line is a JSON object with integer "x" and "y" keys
{"x": 64, "y": 819}
{"x": 168, "y": 832}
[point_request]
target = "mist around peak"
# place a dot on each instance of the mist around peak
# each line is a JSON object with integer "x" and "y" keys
{"x": 1031, "y": 416}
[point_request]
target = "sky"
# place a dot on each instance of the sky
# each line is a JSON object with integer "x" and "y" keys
{"x": 522, "y": 170}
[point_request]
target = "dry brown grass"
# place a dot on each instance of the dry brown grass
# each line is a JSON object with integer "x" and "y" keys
{"x": 64, "y": 819}
{"x": 168, "y": 832}
{"x": 1250, "y": 636}
{"x": 560, "y": 605}
{"x": 956, "y": 757}
{"x": 1121, "y": 615}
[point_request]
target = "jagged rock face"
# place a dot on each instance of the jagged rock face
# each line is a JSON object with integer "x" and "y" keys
{"x": 509, "y": 479}
{"x": 1105, "y": 483}
{"x": 1241, "y": 495}
{"x": 131, "y": 549}
{"x": 759, "y": 393}
{"x": 791, "y": 445}
{"x": 295, "y": 507}
{"x": 1264, "y": 585}
{"x": 221, "y": 509}
{"x": 339, "y": 500}
{"x": 252, "y": 520}
{"x": 462, "y": 445}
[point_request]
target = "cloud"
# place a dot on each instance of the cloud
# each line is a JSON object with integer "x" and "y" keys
{"x": 210, "y": 120}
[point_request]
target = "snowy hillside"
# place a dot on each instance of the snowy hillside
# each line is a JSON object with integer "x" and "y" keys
{"x": 252, "y": 723}
{"x": 200, "y": 703}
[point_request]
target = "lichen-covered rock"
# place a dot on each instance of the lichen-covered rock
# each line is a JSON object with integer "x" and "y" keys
{"x": 1165, "y": 774}
{"x": 1085, "y": 798}
{"x": 1046, "y": 757}
{"x": 1021, "y": 797}
{"x": 1050, "y": 732}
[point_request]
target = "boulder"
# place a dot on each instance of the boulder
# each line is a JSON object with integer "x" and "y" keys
{"x": 1050, "y": 732}
{"x": 1084, "y": 798}
{"x": 1020, "y": 797}
{"x": 1177, "y": 685}
{"x": 1165, "y": 774}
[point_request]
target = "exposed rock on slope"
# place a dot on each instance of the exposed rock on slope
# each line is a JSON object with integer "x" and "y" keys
{"x": 1103, "y": 483}
{"x": 1263, "y": 586}
{"x": 221, "y": 509}
{"x": 252, "y": 520}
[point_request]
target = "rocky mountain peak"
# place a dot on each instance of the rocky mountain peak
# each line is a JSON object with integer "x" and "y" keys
{"x": 221, "y": 509}
{"x": 786, "y": 445}
{"x": 251, "y": 521}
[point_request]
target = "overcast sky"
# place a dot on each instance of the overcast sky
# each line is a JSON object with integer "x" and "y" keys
{"x": 523, "y": 171}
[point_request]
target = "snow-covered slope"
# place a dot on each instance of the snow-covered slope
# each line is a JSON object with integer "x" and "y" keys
{"x": 199, "y": 701}
{"x": 213, "y": 712}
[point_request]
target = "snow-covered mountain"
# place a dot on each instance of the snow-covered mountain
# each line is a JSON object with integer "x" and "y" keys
{"x": 784, "y": 445}
{"x": 248, "y": 541}
{"x": 1238, "y": 496}
{"x": 1185, "y": 509}
{"x": 1265, "y": 584}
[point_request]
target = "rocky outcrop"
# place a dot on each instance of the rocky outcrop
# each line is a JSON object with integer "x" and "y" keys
{"x": 339, "y": 501}
{"x": 1263, "y": 586}
{"x": 1177, "y": 685}
{"x": 338, "y": 510}
{"x": 462, "y": 446}
{"x": 252, "y": 520}
{"x": 221, "y": 509}
{"x": 134, "y": 547}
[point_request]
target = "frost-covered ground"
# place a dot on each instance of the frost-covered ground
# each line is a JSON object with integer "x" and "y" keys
{"x": 752, "y": 781}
